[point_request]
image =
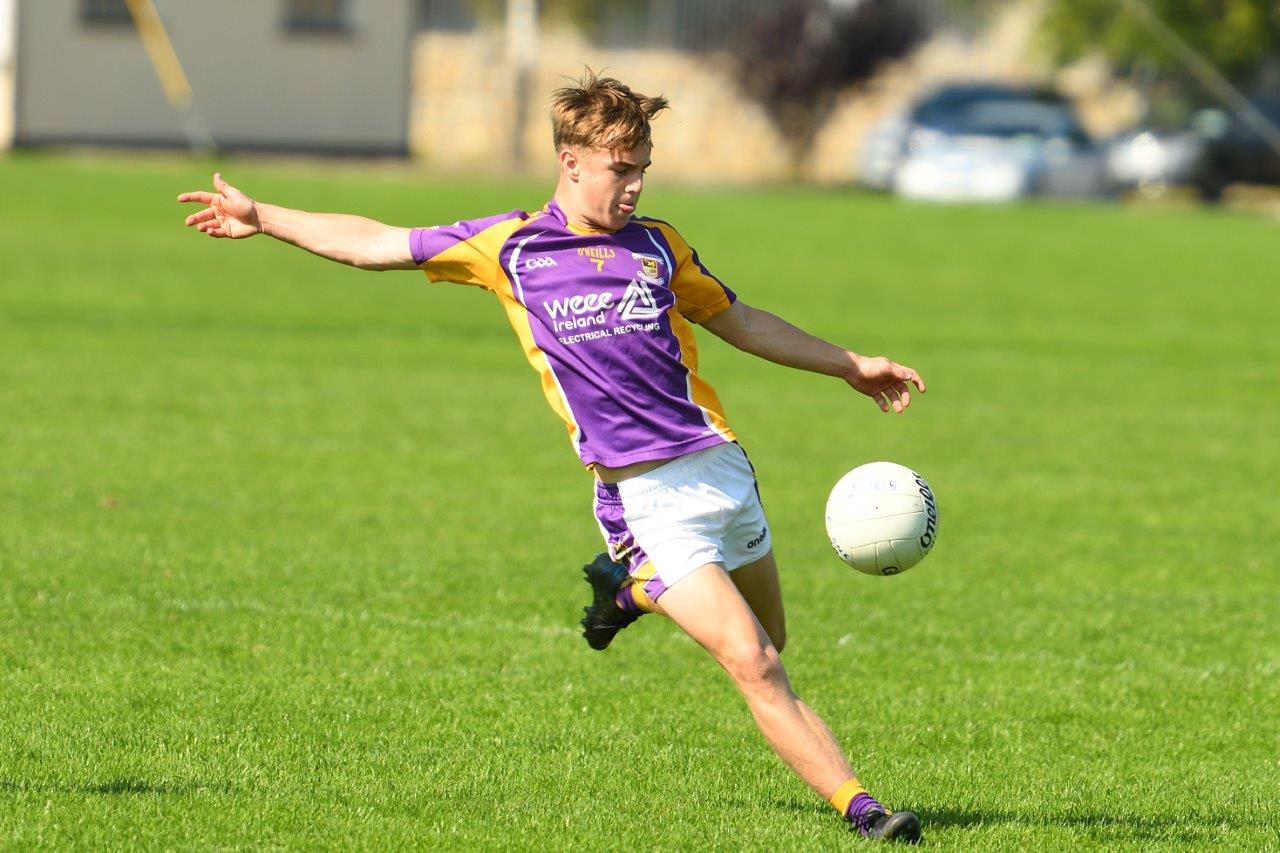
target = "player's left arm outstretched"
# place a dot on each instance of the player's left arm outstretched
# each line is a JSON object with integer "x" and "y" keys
{"x": 353, "y": 240}
{"x": 774, "y": 339}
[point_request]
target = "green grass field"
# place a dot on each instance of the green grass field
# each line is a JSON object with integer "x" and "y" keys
{"x": 289, "y": 552}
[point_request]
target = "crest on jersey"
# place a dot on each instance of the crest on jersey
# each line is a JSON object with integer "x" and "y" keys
{"x": 638, "y": 302}
{"x": 650, "y": 267}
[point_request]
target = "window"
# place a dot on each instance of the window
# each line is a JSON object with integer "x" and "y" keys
{"x": 318, "y": 16}
{"x": 457, "y": 16}
{"x": 105, "y": 13}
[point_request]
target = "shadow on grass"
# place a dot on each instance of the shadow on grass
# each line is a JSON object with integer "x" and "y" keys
{"x": 1116, "y": 820}
{"x": 1110, "y": 827}
{"x": 112, "y": 787}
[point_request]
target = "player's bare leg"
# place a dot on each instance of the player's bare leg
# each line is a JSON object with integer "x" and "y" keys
{"x": 708, "y": 607}
{"x": 759, "y": 585}
{"x": 616, "y": 602}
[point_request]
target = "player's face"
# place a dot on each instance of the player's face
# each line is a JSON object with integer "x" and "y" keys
{"x": 609, "y": 183}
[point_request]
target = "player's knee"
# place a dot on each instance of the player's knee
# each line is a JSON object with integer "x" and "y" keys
{"x": 754, "y": 663}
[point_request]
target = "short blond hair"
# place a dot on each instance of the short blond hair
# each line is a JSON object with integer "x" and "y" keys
{"x": 601, "y": 112}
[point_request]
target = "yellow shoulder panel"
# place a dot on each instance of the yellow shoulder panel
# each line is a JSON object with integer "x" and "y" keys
{"x": 475, "y": 261}
{"x": 699, "y": 295}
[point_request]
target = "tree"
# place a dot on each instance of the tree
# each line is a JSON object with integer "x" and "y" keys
{"x": 798, "y": 55}
{"x": 1235, "y": 36}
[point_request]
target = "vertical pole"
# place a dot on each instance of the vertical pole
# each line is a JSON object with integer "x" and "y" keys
{"x": 8, "y": 72}
{"x": 1209, "y": 76}
{"x": 173, "y": 80}
{"x": 522, "y": 53}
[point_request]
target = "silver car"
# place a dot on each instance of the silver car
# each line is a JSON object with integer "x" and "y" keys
{"x": 984, "y": 142}
{"x": 1001, "y": 151}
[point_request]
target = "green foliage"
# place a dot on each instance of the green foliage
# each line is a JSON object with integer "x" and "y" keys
{"x": 1234, "y": 35}
{"x": 797, "y": 56}
{"x": 289, "y": 552}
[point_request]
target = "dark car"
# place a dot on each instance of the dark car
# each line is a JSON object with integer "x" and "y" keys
{"x": 1237, "y": 152}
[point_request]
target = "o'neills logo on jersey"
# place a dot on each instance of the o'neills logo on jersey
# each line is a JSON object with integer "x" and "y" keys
{"x": 579, "y": 311}
{"x": 602, "y": 253}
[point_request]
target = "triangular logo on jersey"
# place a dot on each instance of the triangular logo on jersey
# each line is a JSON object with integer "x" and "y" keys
{"x": 638, "y": 302}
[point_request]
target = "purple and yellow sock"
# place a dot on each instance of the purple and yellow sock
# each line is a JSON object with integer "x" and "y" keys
{"x": 626, "y": 600}
{"x": 632, "y": 599}
{"x": 856, "y": 805}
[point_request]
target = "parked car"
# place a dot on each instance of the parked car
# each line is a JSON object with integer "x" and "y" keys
{"x": 1152, "y": 160}
{"x": 1215, "y": 150}
{"x": 1238, "y": 153}
{"x": 1002, "y": 149}
{"x": 886, "y": 144}
{"x": 985, "y": 142}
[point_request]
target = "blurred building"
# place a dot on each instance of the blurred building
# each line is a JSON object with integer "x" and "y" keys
{"x": 300, "y": 75}
{"x": 466, "y": 94}
{"x": 457, "y": 83}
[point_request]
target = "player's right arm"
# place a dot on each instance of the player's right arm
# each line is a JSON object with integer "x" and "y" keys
{"x": 353, "y": 240}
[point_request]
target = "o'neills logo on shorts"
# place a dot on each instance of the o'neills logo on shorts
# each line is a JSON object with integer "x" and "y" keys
{"x": 763, "y": 532}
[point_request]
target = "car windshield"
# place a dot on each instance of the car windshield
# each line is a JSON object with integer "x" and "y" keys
{"x": 993, "y": 110}
{"x": 942, "y": 109}
{"x": 1270, "y": 110}
{"x": 1016, "y": 118}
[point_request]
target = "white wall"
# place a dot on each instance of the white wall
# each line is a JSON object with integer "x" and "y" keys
{"x": 255, "y": 84}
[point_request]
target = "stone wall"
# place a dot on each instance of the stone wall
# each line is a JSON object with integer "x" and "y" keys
{"x": 463, "y": 108}
{"x": 463, "y": 101}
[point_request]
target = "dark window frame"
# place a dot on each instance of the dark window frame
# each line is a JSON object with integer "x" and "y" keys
{"x": 447, "y": 16}
{"x": 315, "y": 22}
{"x": 103, "y": 13}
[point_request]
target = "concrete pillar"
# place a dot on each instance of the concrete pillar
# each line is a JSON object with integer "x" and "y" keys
{"x": 8, "y": 69}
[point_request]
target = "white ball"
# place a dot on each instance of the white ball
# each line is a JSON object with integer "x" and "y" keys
{"x": 882, "y": 518}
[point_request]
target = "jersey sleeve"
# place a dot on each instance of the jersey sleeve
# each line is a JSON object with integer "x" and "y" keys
{"x": 699, "y": 294}
{"x": 466, "y": 252}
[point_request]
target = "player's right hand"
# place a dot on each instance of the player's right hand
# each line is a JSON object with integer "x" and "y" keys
{"x": 885, "y": 382}
{"x": 230, "y": 213}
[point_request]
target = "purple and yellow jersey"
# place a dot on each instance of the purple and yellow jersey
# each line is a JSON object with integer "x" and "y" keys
{"x": 604, "y": 318}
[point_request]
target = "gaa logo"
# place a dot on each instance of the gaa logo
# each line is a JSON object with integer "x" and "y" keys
{"x": 539, "y": 263}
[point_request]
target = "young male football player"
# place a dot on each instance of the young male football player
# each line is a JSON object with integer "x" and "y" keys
{"x": 604, "y": 303}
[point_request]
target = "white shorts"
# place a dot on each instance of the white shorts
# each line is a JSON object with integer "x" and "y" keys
{"x": 698, "y": 509}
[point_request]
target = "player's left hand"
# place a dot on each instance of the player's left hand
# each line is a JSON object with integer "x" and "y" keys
{"x": 230, "y": 213}
{"x": 884, "y": 381}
